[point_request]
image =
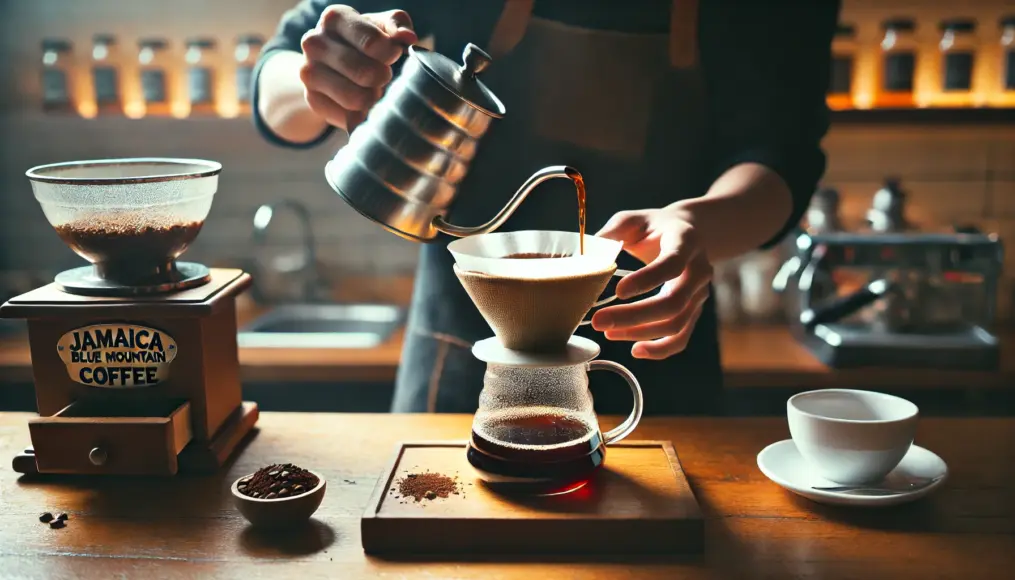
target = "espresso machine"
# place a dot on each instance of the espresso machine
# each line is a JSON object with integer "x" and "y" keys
{"x": 891, "y": 295}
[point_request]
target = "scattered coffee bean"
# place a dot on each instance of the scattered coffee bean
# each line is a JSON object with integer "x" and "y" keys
{"x": 283, "y": 492}
{"x": 45, "y": 517}
{"x": 430, "y": 495}
{"x": 57, "y": 524}
{"x": 272, "y": 495}
{"x": 63, "y": 517}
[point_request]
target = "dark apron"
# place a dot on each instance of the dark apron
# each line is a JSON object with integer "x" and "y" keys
{"x": 613, "y": 106}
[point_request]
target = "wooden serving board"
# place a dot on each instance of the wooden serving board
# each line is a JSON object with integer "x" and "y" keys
{"x": 638, "y": 503}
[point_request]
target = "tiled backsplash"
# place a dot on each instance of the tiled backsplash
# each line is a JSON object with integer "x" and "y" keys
{"x": 953, "y": 174}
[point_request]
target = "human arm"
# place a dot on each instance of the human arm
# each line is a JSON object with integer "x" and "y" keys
{"x": 325, "y": 67}
{"x": 766, "y": 70}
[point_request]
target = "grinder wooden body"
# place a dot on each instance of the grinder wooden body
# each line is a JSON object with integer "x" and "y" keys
{"x": 135, "y": 385}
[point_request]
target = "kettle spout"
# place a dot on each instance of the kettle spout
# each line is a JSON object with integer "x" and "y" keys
{"x": 554, "y": 171}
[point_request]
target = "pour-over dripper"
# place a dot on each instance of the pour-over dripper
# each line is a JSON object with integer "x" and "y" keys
{"x": 534, "y": 304}
{"x": 130, "y": 218}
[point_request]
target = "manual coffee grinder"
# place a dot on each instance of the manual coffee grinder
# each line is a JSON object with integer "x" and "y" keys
{"x": 535, "y": 430}
{"x": 134, "y": 357}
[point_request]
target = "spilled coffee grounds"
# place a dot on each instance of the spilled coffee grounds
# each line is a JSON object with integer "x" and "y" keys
{"x": 278, "y": 481}
{"x": 427, "y": 485}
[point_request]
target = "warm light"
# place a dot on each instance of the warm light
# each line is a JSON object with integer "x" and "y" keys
{"x": 242, "y": 52}
{"x": 864, "y": 100}
{"x": 88, "y": 109}
{"x": 180, "y": 109}
{"x": 49, "y": 58}
{"x": 193, "y": 55}
{"x": 134, "y": 110}
{"x": 100, "y": 52}
{"x": 146, "y": 55}
{"x": 980, "y": 99}
{"x": 228, "y": 110}
{"x": 923, "y": 99}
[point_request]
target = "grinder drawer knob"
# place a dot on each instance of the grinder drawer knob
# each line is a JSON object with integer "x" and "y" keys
{"x": 97, "y": 456}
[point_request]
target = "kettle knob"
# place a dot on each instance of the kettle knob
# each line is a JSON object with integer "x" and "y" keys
{"x": 476, "y": 59}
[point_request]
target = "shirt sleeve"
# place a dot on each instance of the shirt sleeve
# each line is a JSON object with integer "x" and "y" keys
{"x": 766, "y": 67}
{"x": 288, "y": 36}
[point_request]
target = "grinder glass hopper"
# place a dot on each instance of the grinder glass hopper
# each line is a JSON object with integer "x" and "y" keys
{"x": 534, "y": 287}
{"x": 131, "y": 218}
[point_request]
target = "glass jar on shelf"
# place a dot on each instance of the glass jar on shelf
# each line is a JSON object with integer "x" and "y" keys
{"x": 154, "y": 64}
{"x": 200, "y": 57}
{"x": 248, "y": 48}
{"x": 1007, "y": 96}
{"x": 105, "y": 74}
{"x": 844, "y": 51}
{"x": 56, "y": 76}
{"x": 898, "y": 64}
{"x": 958, "y": 50}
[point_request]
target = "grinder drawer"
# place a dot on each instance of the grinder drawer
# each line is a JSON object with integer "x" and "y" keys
{"x": 133, "y": 437}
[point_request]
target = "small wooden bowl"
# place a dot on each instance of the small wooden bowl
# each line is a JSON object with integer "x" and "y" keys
{"x": 279, "y": 512}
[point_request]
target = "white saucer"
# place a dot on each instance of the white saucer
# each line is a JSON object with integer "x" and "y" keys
{"x": 783, "y": 464}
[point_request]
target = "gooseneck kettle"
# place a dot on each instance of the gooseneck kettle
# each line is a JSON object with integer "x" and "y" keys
{"x": 401, "y": 167}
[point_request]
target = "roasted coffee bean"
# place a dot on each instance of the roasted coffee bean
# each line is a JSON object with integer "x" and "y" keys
{"x": 57, "y": 524}
{"x": 275, "y": 486}
{"x": 273, "y": 473}
{"x": 254, "y": 494}
{"x": 283, "y": 492}
{"x": 285, "y": 474}
{"x": 430, "y": 495}
{"x": 272, "y": 495}
{"x": 46, "y": 517}
{"x": 247, "y": 479}
{"x": 241, "y": 487}
{"x": 63, "y": 517}
{"x": 297, "y": 487}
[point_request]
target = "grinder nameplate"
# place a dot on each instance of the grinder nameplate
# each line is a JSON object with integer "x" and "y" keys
{"x": 117, "y": 355}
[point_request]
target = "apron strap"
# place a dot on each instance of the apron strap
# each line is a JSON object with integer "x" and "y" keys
{"x": 515, "y": 16}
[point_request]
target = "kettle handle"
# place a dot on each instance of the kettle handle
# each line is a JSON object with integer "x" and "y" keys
{"x": 502, "y": 216}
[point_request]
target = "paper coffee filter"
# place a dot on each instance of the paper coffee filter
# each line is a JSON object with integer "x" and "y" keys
{"x": 486, "y": 254}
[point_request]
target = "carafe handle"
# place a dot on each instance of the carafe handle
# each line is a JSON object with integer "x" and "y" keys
{"x": 502, "y": 216}
{"x": 624, "y": 429}
{"x": 620, "y": 274}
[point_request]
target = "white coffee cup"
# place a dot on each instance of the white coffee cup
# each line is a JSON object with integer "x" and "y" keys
{"x": 849, "y": 436}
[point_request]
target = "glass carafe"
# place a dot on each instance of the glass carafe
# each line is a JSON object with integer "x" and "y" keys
{"x": 536, "y": 431}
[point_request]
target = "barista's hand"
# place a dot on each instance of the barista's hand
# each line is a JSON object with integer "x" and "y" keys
{"x": 348, "y": 61}
{"x": 660, "y": 325}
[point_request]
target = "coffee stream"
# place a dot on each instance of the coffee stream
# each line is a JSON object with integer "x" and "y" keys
{"x": 579, "y": 185}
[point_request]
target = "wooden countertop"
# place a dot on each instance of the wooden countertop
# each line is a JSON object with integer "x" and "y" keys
{"x": 187, "y": 527}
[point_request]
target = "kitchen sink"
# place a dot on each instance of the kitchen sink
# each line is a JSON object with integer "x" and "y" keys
{"x": 323, "y": 326}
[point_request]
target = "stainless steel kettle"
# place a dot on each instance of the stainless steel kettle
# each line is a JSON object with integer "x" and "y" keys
{"x": 401, "y": 168}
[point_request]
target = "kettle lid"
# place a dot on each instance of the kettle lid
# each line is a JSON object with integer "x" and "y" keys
{"x": 462, "y": 80}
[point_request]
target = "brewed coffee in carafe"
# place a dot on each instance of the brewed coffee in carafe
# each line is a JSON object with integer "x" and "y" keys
{"x": 536, "y": 431}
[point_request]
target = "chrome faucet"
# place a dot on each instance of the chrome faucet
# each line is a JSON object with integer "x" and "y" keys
{"x": 262, "y": 218}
